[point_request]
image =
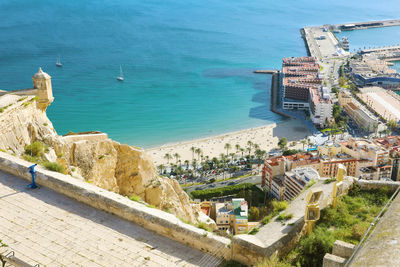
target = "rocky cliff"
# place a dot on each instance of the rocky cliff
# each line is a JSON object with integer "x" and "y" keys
{"x": 92, "y": 157}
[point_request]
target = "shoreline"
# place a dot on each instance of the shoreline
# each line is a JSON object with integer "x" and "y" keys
{"x": 266, "y": 137}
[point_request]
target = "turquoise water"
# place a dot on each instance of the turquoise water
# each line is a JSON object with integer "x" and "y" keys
{"x": 396, "y": 66}
{"x": 187, "y": 64}
{"x": 374, "y": 37}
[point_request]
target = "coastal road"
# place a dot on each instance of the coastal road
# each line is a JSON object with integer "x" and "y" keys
{"x": 43, "y": 226}
{"x": 251, "y": 179}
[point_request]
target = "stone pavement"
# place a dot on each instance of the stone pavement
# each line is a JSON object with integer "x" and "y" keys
{"x": 44, "y": 227}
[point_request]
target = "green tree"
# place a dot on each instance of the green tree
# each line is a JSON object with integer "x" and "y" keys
{"x": 227, "y": 147}
{"x": 392, "y": 125}
{"x": 282, "y": 142}
{"x": 187, "y": 164}
{"x": 198, "y": 152}
{"x": 237, "y": 146}
{"x": 260, "y": 155}
{"x": 177, "y": 156}
{"x": 249, "y": 146}
{"x": 167, "y": 156}
{"x": 193, "y": 149}
{"x": 254, "y": 214}
{"x": 161, "y": 167}
{"x": 304, "y": 142}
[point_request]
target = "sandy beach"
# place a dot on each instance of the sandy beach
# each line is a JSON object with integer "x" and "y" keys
{"x": 266, "y": 137}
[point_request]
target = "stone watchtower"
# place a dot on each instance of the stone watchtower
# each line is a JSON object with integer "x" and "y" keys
{"x": 42, "y": 82}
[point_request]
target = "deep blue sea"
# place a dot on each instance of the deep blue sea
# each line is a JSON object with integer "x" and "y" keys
{"x": 187, "y": 64}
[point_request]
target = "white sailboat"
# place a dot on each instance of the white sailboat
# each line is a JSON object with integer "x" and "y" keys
{"x": 58, "y": 63}
{"x": 121, "y": 74}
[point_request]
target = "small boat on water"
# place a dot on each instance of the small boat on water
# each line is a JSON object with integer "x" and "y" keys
{"x": 121, "y": 74}
{"x": 58, "y": 63}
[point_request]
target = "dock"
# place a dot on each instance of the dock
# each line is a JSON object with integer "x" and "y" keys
{"x": 271, "y": 71}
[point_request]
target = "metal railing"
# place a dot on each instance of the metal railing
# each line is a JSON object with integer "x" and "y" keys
{"x": 10, "y": 259}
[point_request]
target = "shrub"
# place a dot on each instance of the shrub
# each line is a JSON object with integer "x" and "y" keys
{"x": 2, "y": 244}
{"x": 279, "y": 205}
{"x": 272, "y": 262}
{"x": 204, "y": 226}
{"x": 254, "y": 231}
{"x": 54, "y": 166}
{"x": 254, "y": 214}
{"x": 135, "y": 198}
{"x": 212, "y": 180}
{"x": 289, "y": 152}
{"x": 32, "y": 159}
{"x": 36, "y": 149}
{"x": 313, "y": 247}
{"x": 253, "y": 195}
{"x": 284, "y": 217}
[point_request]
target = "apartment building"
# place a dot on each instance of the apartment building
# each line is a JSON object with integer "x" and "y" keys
{"x": 302, "y": 89}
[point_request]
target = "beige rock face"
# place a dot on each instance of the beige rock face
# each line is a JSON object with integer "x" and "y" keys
{"x": 95, "y": 158}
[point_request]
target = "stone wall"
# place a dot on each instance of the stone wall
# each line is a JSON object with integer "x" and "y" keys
{"x": 376, "y": 184}
{"x": 29, "y": 91}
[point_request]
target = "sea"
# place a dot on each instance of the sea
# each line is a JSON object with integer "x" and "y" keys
{"x": 188, "y": 65}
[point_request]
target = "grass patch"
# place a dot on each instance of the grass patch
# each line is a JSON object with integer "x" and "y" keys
{"x": 204, "y": 226}
{"x": 33, "y": 159}
{"x": 284, "y": 217}
{"x": 348, "y": 223}
{"x": 2, "y": 150}
{"x": 276, "y": 207}
{"x": 101, "y": 156}
{"x": 54, "y": 166}
{"x": 21, "y": 99}
{"x": 328, "y": 181}
{"x": 311, "y": 183}
{"x": 136, "y": 198}
{"x": 2, "y": 244}
{"x": 254, "y": 231}
{"x": 5, "y": 107}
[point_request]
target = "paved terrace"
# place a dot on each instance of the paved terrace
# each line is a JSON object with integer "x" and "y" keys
{"x": 271, "y": 233}
{"x": 44, "y": 227}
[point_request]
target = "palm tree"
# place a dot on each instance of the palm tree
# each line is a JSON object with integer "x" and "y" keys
{"x": 193, "y": 149}
{"x": 249, "y": 150}
{"x": 242, "y": 151}
{"x": 260, "y": 154}
{"x": 194, "y": 164}
{"x": 227, "y": 147}
{"x": 232, "y": 155}
{"x": 161, "y": 168}
{"x": 256, "y": 146}
{"x": 176, "y": 156}
{"x": 249, "y": 144}
{"x": 187, "y": 164}
{"x": 237, "y": 146}
{"x": 167, "y": 156}
{"x": 303, "y": 142}
{"x": 198, "y": 152}
{"x": 223, "y": 160}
